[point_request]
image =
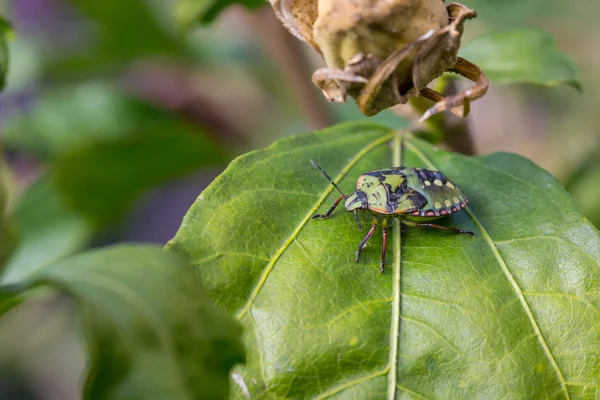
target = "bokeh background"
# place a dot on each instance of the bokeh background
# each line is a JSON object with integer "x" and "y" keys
{"x": 114, "y": 120}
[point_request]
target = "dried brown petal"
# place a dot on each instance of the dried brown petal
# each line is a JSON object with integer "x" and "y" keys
{"x": 298, "y": 16}
{"x": 383, "y": 52}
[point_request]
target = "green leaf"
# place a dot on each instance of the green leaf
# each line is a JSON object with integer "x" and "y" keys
{"x": 48, "y": 231}
{"x": 151, "y": 331}
{"x": 522, "y": 56}
{"x": 107, "y": 148}
{"x": 188, "y": 12}
{"x": 509, "y": 12}
{"x": 512, "y": 312}
{"x": 114, "y": 43}
{"x": 7, "y": 236}
{"x": 5, "y": 34}
{"x": 583, "y": 186}
{"x": 65, "y": 119}
{"x": 102, "y": 181}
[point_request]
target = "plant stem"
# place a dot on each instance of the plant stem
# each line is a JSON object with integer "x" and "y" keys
{"x": 289, "y": 56}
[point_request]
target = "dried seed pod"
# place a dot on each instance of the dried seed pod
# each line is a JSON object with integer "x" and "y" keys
{"x": 384, "y": 52}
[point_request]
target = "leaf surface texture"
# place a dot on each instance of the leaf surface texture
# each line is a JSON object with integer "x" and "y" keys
{"x": 512, "y": 312}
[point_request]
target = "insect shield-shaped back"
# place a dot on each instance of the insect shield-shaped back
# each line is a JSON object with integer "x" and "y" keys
{"x": 384, "y": 52}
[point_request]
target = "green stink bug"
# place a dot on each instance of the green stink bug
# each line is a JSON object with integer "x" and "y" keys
{"x": 412, "y": 195}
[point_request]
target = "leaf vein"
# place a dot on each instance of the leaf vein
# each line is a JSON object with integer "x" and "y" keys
{"x": 566, "y": 295}
{"x": 432, "y": 329}
{"x": 296, "y": 231}
{"x": 512, "y": 280}
{"x": 351, "y": 383}
{"x": 395, "y": 323}
{"x": 411, "y": 392}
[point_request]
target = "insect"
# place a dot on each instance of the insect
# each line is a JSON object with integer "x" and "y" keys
{"x": 414, "y": 196}
{"x": 384, "y": 52}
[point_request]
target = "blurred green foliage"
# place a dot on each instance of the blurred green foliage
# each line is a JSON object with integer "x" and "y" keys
{"x": 206, "y": 11}
{"x": 521, "y": 56}
{"x": 95, "y": 143}
{"x": 7, "y": 235}
{"x": 151, "y": 332}
{"x": 5, "y": 35}
{"x": 48, "y": 231}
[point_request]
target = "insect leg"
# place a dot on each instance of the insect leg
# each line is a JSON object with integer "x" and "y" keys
{"x": 434, "y": 226}
{"x": 384, "y": 244}
{"x": 363, "y": 243}
{"x": 330, "y": 211}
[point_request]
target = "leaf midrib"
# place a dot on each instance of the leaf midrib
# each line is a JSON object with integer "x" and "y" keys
{"x": 361, "y": 153}
{"x": 511, "y": 280}
{"x": 395, "y": 323}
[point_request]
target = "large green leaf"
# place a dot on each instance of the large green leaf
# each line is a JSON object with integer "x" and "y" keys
{"x": 152, "y": 333}
{"x": 512, "y": 312}
{"x": 521, "y": 56}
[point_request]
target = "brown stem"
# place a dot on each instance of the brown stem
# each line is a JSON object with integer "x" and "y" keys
{"x": 287, "y": 51}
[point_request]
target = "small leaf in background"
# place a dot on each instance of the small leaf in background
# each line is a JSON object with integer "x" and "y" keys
{"x": 521, "y": 56}
{"x": 48, "y": 231}
{"x": 508, "y": 12}
{"x": 151, "y": 331}
{"x": 111, "y": 41}
{"x": 583, "y": 186}
{"x": 512, "y": 311}
{"x": 5, "y": 34}
{"x": 7, "y": 235}
{"x": 101, "y": 181}
{"x": 64, "y": 119}
{"x": 106, "y": 148}
{"x": 188, "y": 12}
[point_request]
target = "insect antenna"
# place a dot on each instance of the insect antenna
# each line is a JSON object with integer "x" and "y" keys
{"x": 327, "y": 177}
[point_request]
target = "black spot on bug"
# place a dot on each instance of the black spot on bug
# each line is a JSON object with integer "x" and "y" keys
{"x": 382, "y": 173}
{"x": 422, "y": 175}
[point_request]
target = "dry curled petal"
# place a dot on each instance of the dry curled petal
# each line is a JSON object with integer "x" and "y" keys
{"x": 382, "y": 53}
{"x": 298, "y": 17}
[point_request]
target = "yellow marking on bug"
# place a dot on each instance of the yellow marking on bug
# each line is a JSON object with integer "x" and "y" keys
{"x": 427, "y": 183}
{"x": 437, "y": 182}
{"x": 438, "y": 204}
{"x": 448, "y": 203}
{"x": 456, "y": 201}
{"x": 450, "y": 185}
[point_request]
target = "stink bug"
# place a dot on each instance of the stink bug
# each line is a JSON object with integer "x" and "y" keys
{"x": 412, "y": 195}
